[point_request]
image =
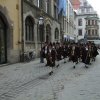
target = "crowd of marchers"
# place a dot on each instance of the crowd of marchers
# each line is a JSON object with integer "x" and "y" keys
{"x": 75, "y": 52}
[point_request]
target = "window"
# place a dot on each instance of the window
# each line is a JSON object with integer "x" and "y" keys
{"x": 80, "y": 22}
{"x": 56, "y": 34}
{"x": 29, "y": 27}
{"x": 96, "y": 22}
{"x": 40, "y": 3}
{"x": 88, "y": 22}
{"x": 80, "y": 32}
{"x": 55, "y": 12}
{"x": 48, "y": 6}
{"x": 92, "y": 22}
{"x": 88, "y": 10}
{"x": 89, "y": 32}
{"x": 93, "y": 32}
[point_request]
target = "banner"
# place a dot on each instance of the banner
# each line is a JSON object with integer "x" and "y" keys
{"x": 62, "y": 7}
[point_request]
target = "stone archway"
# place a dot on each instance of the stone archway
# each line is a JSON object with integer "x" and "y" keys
{"x": 48, "y": 33}
{"x": 7, "y": 35}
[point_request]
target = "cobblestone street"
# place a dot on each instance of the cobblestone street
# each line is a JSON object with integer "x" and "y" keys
{"x": 49, "y": 50}
{"x": 30, "y": 81}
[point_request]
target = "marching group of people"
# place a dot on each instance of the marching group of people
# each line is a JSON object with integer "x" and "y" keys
{"x": 75, "y": 52}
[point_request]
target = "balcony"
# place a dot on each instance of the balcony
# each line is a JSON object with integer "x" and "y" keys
{"x": 87, "y": 13}
{"x": 92, "y": 26}
{"x": 92, "y": 37}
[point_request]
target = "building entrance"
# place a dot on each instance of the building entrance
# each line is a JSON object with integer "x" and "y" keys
{"x": 3, "y": 50}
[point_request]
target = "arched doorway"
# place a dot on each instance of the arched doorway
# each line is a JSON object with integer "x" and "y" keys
{"x": 3, "y": 42}
{"x": 48, "y": 33}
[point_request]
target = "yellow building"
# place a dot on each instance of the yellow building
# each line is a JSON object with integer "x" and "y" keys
{"x": 19, "y": 27}
{"x": 10, "y": 30}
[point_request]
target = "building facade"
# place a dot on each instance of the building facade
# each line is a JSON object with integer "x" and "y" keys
{"x": 10, "y": 30}
{"x": 86, "y": 21}
{"x": 69, "y": 25}
{"x": 32, "y": 11}
{"x": 20, "y": 30}
{"x": 92, "y": 27}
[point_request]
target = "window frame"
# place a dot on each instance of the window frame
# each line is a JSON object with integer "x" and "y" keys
{"x": 29, "y": 29}
{"x": 56, "y": 34}
{"x": 80, "y": 22}
{"x": 79, "y": 32}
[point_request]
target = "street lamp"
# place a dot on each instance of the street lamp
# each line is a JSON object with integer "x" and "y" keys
{"x": 41, "y": 30}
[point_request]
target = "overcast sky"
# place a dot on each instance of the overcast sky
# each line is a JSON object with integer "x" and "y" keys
{"x": 96, "y": 5}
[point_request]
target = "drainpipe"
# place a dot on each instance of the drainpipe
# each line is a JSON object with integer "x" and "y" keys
{"x": 22, "y": 35}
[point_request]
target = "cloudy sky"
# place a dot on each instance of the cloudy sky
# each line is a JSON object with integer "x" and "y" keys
{"x": 96, "y": 5}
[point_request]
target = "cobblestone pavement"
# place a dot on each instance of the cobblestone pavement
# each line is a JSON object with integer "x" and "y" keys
{"x": 86, "y": 87}
{"x": 31, "y": 81}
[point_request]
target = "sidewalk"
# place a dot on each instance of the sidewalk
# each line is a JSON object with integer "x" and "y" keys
{"x": 30, "y": 69}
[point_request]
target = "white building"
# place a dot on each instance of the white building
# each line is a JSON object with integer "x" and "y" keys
{"x": 85, "y": 10}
